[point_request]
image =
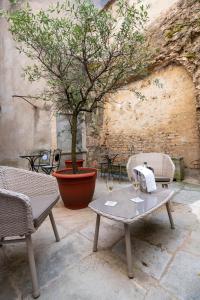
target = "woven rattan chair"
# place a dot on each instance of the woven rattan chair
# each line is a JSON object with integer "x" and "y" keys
{"x": 26, "y": 199}
{"x": 161, "y": 163}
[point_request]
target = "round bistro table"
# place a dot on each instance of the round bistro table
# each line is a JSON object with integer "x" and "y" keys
{"x": 31, "y": 159}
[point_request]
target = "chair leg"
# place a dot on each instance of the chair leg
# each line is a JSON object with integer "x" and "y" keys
{"x": 54, "y": 227}
{"x": 96, "y": 235}
{"x": 128, "y": 250}
{"x": 170, "y": 215}
{"x": 1, "y": 242}
{"x": 35, "y": 285}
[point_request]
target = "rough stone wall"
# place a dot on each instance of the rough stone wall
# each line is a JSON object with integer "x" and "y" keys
{"x": 177, "y": 36}
{"x": 163, "y": 121}
{"x": 173, "y": 126}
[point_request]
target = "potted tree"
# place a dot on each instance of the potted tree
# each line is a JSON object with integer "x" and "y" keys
{"x": 83, "y": 54}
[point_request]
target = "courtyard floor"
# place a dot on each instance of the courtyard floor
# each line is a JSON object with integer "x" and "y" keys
{"x": 166, "y": 262}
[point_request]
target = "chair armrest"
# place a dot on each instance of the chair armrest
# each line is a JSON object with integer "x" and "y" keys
{"x": 15, "y": 214}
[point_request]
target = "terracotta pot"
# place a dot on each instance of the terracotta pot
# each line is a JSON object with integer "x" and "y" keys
{"x": 76, "y": 190}
{"x": 79, "y": 162}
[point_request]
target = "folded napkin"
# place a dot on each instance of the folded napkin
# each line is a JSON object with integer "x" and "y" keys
{"x": 146, "y": 178}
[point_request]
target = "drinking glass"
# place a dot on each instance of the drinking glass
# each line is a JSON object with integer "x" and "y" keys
{"x": 110, "y": 183}
{"x": 136, "y": 185}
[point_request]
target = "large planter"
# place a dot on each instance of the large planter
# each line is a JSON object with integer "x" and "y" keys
{"x": 76, "y": 190}
{"x": 79, "y": 163}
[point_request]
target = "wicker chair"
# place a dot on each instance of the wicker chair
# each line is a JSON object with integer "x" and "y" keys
{"x": 26, "y": 199}
{"x": 161, "y": 163}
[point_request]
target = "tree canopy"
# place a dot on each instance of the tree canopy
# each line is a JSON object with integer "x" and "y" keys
{"x": 81, "y": 52}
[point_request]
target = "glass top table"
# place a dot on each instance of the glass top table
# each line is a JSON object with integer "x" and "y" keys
{"x": 129, "y": 206}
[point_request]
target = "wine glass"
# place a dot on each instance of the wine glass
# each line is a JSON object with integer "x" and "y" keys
{"x": 110, "y": 183}
{"x": 136, "y": 185}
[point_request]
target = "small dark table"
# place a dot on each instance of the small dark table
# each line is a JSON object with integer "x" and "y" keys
{"x": 118, "y": 169}
{"x": 31, "y": 159}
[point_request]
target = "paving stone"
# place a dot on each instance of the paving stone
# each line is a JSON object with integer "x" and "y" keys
{"x": 182, "y": 216}
{"x": 191, "y": 184}
{"x": 183, "y": 276}
{"x": 108, "y": 234}
{"x": 195, "y": 207}
{"x": 44, "y": 236}
{"x": 160, "y": 234}
{"x": 51, "y": 263}
{"x": 63, "y": 213}
{"x": 193, "y": 243}
{"x": 93, "y": 279}
{"x": 67, "y": 252}
{"x": 141, "y": 278}
{"x": 186, "y": 196}
{"x": 7, "y": 291}
{"x": 149, "y": 258}
{"x": 158, "y": 293}
{"x": 176, "y": 186}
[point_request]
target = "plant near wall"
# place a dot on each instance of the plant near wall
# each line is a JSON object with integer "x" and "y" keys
{"x": 81, "y": 52}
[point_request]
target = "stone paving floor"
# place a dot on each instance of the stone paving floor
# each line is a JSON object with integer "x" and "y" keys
{"x": 166, "y": 262}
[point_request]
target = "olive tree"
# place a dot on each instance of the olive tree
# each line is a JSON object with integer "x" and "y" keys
{"x": 82, "y": 53}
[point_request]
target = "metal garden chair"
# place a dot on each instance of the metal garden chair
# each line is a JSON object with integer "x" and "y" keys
{"x": 55, "y": 162}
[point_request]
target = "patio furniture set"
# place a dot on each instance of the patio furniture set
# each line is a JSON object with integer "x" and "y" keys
{"x": 118, "y": 169}
{"x": 45, "y": 160}
{"x": 27, "y": 198}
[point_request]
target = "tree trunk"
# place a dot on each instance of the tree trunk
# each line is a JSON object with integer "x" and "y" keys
{"x": 74, "y": 140}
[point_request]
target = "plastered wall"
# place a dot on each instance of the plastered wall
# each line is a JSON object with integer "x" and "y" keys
{"x": 23, "y": 127}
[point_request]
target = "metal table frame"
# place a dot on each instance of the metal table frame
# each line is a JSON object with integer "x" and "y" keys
{"x": 31, "y": 159}
{"x": 110, "y": 169}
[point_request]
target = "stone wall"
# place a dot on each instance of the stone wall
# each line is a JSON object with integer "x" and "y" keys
{"x": 168, "y": 119}
{"x": 164, "y": 120}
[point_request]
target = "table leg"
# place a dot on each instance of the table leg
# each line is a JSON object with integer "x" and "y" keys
{"x": 170, "y": 215}
{"x": 31, "y": 164}
{"x": 166, "y": 186}
{"x": 120, "y": 173}
{"x": 128, "y": 250}
{"x": 96, "y": 235}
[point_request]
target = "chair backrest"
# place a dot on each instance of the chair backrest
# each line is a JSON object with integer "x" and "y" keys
{"x": 160, "y": 162}
{"x": 15, "y": 208}
{"x": 45, "y": 157}
{"x": 17, "y": 180}
{"x": 56, "y": 157}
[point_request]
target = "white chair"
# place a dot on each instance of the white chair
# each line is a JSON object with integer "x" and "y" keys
{"x": 161, "y": 163}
